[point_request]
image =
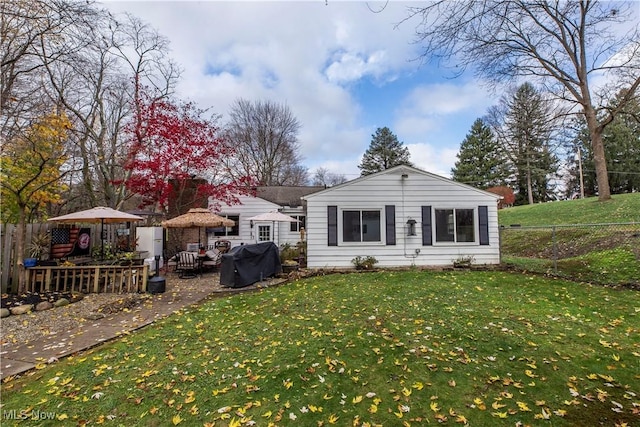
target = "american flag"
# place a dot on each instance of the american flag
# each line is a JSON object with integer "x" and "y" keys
{"x": 63, "y": 241}
{"x": 60, "y": 236}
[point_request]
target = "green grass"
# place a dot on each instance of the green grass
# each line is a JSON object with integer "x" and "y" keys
{"x": 621, "y": 208}
{"x": 598, "y": 254}
{"x": 382, "y": 348}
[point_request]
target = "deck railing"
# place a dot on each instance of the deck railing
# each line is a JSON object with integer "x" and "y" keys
{"x": 88, "y": 279}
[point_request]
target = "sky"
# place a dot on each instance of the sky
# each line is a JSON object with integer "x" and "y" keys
{"x": 343, "y": 68}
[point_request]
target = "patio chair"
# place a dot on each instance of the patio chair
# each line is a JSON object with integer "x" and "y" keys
{"x": 170, "y": 259}
{"x": 188, "y": 265}
{"x": 212, "y": 260}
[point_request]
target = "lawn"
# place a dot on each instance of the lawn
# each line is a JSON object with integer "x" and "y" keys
{"x": 621, "y": 208}
{"x": 606, "y": 254}
{"x": 384, "y": 348}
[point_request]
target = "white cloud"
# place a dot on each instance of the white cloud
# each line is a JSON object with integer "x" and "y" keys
{"x": 312, "y": 56}
{"x": 432, "y": 159}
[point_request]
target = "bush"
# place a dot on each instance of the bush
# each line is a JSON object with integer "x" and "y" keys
{"x": 288, "y": 253}
{"x": 364, "y": 263}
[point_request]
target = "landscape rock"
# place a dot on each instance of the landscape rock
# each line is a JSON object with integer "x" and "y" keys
{"x": 61, "y": 302}
{"x": 94, "y": 316}
{"x": 76, "y": 298}
{"x": 4, "y": 313}
{"x": 44, "y": 305}
{"x": 21, "y": 309}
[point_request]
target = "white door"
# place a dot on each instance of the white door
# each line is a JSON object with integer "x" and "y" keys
{"x": 264, "y": 233}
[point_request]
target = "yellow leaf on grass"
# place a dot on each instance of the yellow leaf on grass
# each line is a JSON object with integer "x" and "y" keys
{"x": 523, "y": 406}
{"x": 479, "y": 404}
{"x": 434, "y": 406}
{"x": 462, "y": 420}
{"x": 496, "y": 405}
{"x": 176, "y": 419}
{"x": 267, "y": 414}
{"x": 356, "y": 399}
{"x": 499, "y": 414}
{"x": 333, "y": 419}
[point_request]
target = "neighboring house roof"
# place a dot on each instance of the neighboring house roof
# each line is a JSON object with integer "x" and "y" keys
{"x": 286, "y": 195}
{"x": 399, "y": 170}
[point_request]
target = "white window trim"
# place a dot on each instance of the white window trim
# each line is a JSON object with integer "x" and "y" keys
{"x": 226, "y": 235}
{"x": 341, "y": 242}
{"x": 476, "y": 233}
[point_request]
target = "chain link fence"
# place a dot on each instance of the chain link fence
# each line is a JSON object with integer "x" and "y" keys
{"x": 607, "y": 254}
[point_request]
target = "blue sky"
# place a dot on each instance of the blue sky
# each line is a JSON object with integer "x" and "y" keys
{"x": 342, "y": 69}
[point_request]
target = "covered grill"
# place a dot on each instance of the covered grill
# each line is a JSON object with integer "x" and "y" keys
{"x": 247, "y": 264}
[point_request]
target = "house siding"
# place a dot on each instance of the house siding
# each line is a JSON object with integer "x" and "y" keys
{"x": 408, "y": 196}
{"x": 251, "y": 206}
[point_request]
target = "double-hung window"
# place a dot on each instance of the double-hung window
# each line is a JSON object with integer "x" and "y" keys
{"x": 227, "y": 231}
{"x": 297, "y": 226}
{"x": 455, "y": 225}
{"x": 361, "y": 226}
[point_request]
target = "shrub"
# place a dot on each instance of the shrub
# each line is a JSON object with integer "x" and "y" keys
{"x": 364, "y": 263}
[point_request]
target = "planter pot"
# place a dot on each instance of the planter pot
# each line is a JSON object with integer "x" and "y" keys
{"x": 30, "y": 262}
{"x": 288, "y": 268}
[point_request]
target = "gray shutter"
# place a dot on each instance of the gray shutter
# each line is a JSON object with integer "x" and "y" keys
{"x": 390, "y": 223}
{"x": 332, "y": 230}
{"x": 426, "y": 226}
{"x": 483, "y": 224}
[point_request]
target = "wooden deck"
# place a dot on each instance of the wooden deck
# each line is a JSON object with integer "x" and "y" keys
{"x": 88, "y": 279}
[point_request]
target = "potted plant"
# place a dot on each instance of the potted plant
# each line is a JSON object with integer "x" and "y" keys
{"x": 288, "y": 258}
{"x": 39, "y": 245}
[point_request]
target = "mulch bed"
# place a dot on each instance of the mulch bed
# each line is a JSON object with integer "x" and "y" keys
{"x": 14, "y": 300}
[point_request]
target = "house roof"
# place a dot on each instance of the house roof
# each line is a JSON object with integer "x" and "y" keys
{"x": 286, "y": 195}
{"x": 398, "y": 170}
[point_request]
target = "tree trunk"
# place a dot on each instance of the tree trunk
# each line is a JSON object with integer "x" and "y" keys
{"x": 599, "y": 159}
{"x": 529, "y": 186}
{"x": 21, "y": 232}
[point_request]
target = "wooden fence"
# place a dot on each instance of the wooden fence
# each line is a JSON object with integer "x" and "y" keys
{"x": 8, "y": 267}
{"x": 88, "y": 279}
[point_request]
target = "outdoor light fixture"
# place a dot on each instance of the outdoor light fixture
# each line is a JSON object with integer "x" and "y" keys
{"x": 411, "y": 227}
{"x": 405, "y": 176}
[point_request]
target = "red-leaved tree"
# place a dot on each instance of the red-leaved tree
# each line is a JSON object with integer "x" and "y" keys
{"x": 508, "y": 197}
{"x": 171, "y": 144}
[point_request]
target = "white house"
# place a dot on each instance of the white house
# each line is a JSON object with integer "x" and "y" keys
{"x": 285, "y": 199}
{"x": 402, "y": 216}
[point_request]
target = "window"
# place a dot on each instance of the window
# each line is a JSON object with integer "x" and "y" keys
{"x": 227, "y": 231}
{"x": 455, "y": 225}
{"x": 264, "y": 233}
{"x": 360, "y": 226}
{"x": 296, "y": 226}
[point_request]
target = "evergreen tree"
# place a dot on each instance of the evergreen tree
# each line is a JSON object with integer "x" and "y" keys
{"x": 480, "y": 160}
{"x": 579, "y": 161}
{"x": 622, "y": 149}
{"x": 526, "y": 133}
{"x": 384, "y": 152}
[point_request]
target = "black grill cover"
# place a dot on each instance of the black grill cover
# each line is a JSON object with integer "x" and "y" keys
{"x": 247, "y": 264}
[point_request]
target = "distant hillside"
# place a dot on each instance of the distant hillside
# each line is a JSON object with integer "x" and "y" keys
{"x": 622, "y": 208}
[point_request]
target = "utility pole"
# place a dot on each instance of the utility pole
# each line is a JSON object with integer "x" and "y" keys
{"x": 581, "y": 177}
